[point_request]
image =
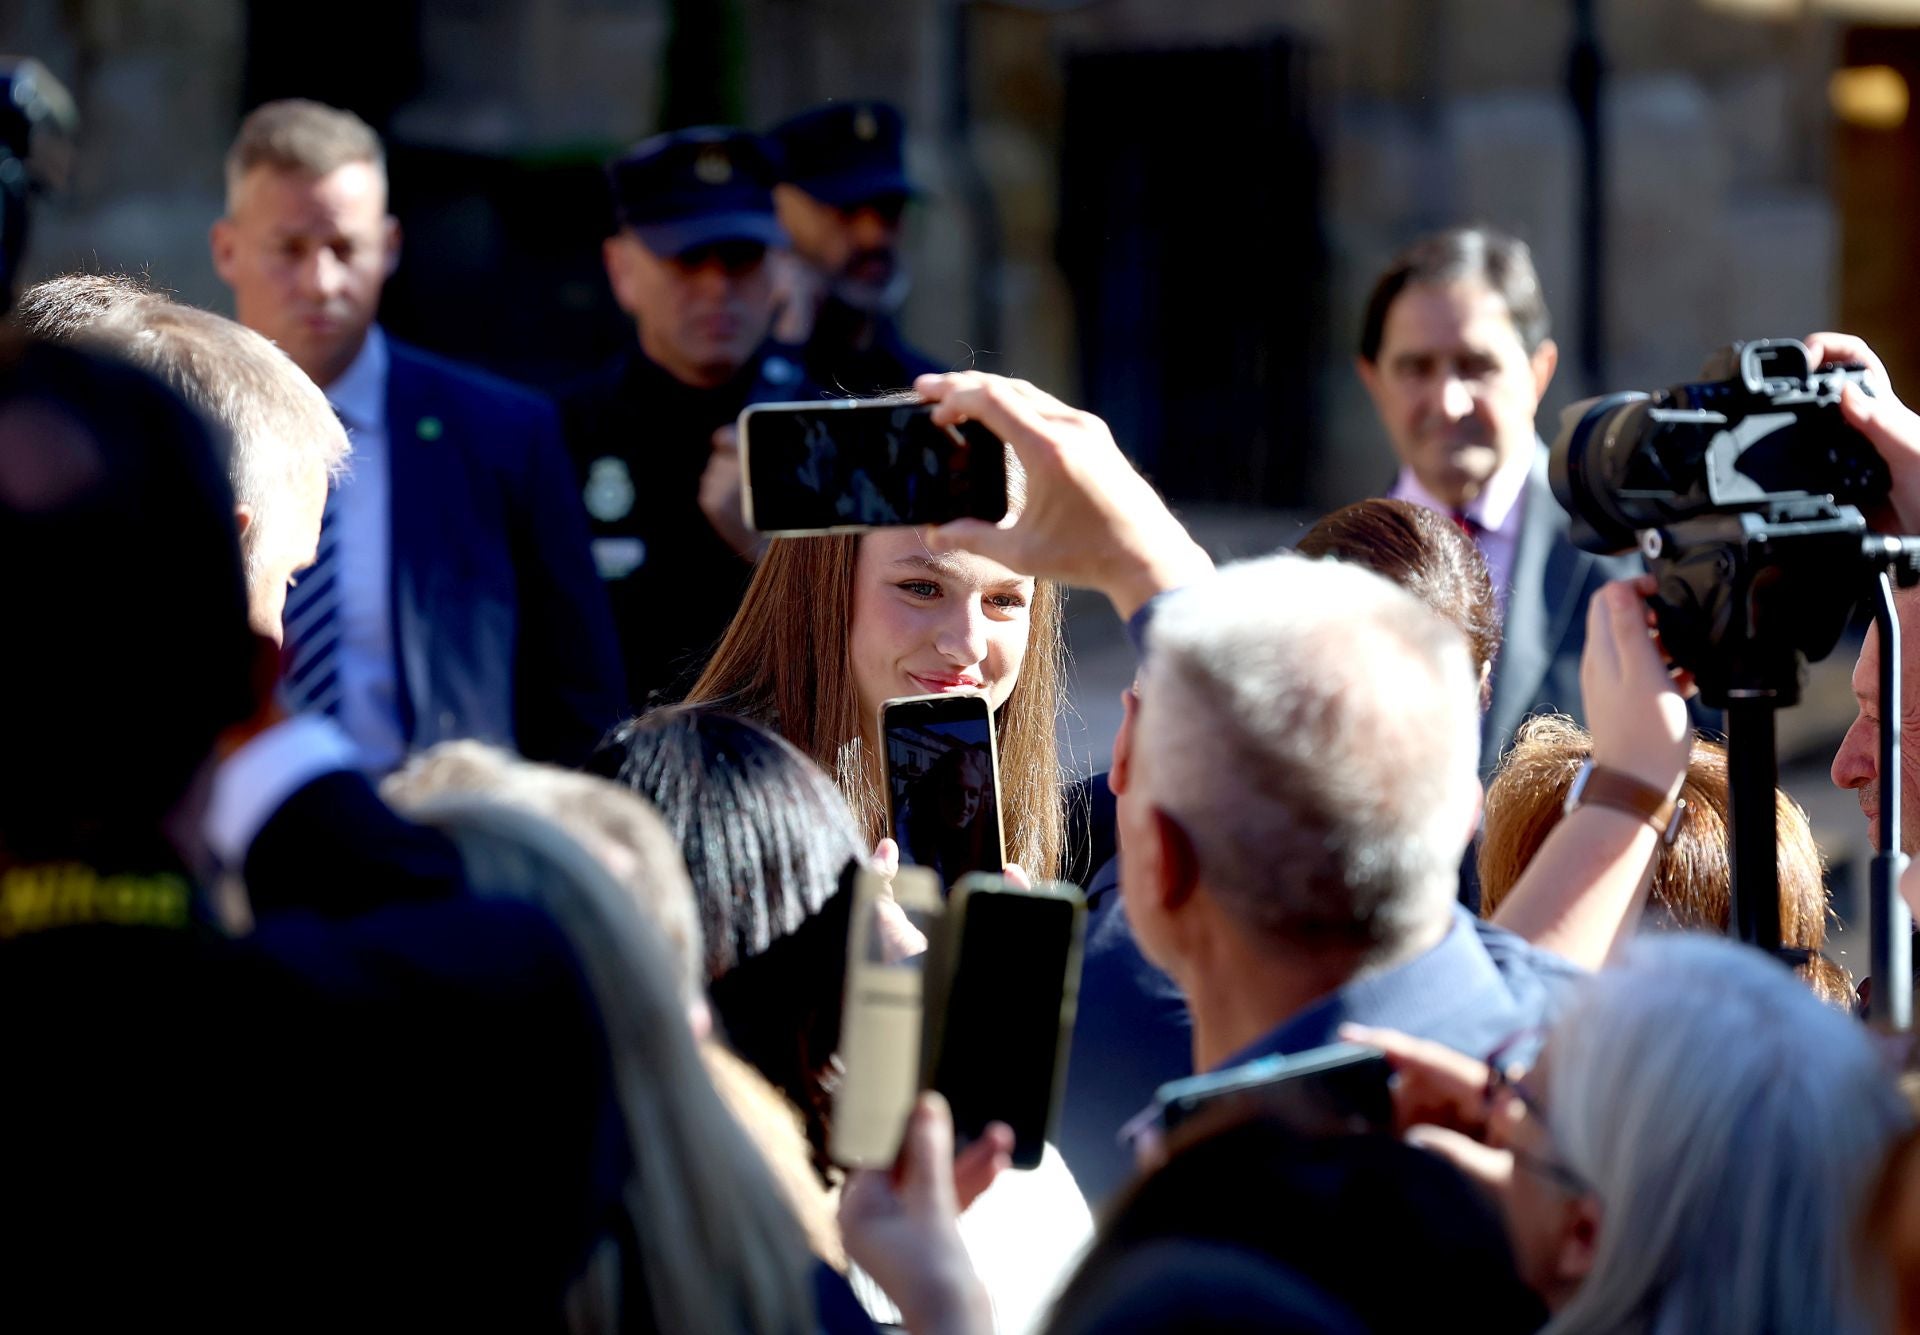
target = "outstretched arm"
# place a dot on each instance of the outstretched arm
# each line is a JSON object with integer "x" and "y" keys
{"x": 1586, "y": 887}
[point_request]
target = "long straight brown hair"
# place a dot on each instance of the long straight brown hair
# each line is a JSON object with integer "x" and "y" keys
{"x": 785, "y": 662}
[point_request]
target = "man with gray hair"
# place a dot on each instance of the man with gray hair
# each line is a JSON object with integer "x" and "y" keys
{"x": 1296, "y": 772}
{"x": 1294, "y": 795}
{"x": 284, "y": 443}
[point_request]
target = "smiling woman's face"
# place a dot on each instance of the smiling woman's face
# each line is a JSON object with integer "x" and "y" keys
{"x": 924, "y": 624}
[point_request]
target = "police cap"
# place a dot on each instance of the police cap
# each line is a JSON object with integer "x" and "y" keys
{"x": 845, "y": 153}
{"x": 694, "y": 188}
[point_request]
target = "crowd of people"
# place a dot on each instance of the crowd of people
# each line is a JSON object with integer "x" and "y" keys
{"x": 432, "y": 816}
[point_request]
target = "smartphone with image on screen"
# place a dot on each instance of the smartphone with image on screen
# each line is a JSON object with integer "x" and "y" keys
{"x": 943, "y": 783}
{"x": 881, "y": 1018}
{"x": 844, "y": 465}
{"x": 1003, "y": 985}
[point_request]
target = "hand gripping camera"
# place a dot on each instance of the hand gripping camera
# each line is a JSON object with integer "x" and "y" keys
{"x": 1745, "y": 492}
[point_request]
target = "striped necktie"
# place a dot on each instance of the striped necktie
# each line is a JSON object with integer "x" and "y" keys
{"x": 310, "y": 680}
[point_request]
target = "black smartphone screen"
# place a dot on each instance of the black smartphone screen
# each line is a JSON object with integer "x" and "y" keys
{"x": 1340, "y": 1089}
{"x": 812, "y": 467}
{"x": 1008, "y": 1011}
{"x": 942, "y": 790}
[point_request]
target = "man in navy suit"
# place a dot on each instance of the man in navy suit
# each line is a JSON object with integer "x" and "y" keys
{"x": 453, "y": 594}
{"x": 1455, "y": 354}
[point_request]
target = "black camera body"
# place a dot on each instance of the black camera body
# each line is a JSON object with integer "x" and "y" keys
{"x": 1744, "y": 491}
{"x": 1765, "y": 432}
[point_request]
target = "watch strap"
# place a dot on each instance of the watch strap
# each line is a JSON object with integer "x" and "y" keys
{"x": 1598, "y": 786}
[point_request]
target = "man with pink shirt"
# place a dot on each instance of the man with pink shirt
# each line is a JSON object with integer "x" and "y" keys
{"x": 1455, "y": 354}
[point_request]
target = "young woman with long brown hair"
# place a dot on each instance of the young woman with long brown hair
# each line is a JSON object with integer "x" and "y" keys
{"x": 833, "y": 626}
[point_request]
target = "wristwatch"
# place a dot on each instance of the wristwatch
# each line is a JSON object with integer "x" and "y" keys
{"x": 1599, "y": 787}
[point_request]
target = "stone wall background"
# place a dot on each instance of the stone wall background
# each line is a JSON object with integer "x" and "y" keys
{"x": 1722, "y": 215}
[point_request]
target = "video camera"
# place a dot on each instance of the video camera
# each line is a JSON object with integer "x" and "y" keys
{"x": 1765, "y": 429}
{"x": 1745, "y": 492}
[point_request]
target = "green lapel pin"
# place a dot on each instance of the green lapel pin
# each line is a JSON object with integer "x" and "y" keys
{"x": 428, "y": 428}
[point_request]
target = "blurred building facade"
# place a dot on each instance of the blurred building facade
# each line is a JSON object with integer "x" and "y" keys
{"x": 1167, "y": 211}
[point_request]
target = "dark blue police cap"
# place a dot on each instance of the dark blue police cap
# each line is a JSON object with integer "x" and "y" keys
{"x": 845, "y": 153}
{"x": 694, "y": 188}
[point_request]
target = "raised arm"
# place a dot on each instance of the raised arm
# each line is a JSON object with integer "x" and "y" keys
{"x": 1586, "y": 887}
{"x": 1090, "y": 519}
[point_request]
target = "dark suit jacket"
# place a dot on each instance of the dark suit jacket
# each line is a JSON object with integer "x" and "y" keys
{"x": 1545, "y": 631}
{"x": 500, "y": 624}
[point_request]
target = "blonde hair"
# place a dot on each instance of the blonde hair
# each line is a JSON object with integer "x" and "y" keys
{"x": 785, "y": 662}
{"x": 1692, "y": 877}
{"x": 279, "y": 425}
{"x": 618, "y": 826}
{"x": 299, "y": 135}
{"x": 715, "y": 1245}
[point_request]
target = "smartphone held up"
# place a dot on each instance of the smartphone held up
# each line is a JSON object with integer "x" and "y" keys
{"x": 846, "y": 465}
{"x": 972, "y": 993}
{"x": 943, "y": 783}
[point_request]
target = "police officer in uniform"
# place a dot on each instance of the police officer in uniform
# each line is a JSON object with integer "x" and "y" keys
{"x": 652, "y": 432}
{"x": 843, "y": 188}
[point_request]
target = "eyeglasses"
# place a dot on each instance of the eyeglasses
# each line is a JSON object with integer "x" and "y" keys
{"x": 1505, "y": 1080}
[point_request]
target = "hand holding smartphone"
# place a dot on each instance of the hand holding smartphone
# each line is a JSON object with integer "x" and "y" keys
{"x": 844, "y": 465}
{"x": 984, "y": 1016}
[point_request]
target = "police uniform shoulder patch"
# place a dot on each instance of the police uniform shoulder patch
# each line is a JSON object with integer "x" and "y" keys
{"x": 609, "y": 490}
{"x": 713, "y": 166}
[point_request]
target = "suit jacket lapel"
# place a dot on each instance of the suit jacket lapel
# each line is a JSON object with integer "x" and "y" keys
{"x": 1547, "y": 574}
{"x": 411, "y": 464}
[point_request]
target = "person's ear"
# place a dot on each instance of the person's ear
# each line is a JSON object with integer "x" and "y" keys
{"x": 1179, "y": 863}
{"x": 616, "y": 253}
{"x": 1543, "y": 361}
{"x": 224, "y": 245}
{"x": 390, "y": 238}
{"x": 1120, "y": 773}
{"x": 1579, "y": 1242}
{"x": 1369, "y": 374}
{"x": 242, "y": 519}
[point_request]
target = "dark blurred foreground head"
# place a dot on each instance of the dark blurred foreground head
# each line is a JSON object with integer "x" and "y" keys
{"x": 124, "y": 605}
{"x": 1257, "y": 1228}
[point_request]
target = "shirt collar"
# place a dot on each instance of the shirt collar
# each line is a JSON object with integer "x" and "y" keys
{"x": 1495, "y": 510}
{"x": 1453, "y": 976}
{"x": 360, "y": 394}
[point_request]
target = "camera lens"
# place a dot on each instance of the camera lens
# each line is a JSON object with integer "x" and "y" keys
{"x": 1588, "y": 467}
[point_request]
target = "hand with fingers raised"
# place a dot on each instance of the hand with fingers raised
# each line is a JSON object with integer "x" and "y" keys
{"x": 1089, "y": 519}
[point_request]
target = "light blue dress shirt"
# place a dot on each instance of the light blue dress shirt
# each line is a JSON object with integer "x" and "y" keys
{"x": 368, "y": 666}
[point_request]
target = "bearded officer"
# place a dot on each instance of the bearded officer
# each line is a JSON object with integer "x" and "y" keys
{"x": 842, "y": 194}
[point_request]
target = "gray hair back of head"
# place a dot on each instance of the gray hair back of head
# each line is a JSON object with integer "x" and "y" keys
{"x": 1732, "y": 1126}
{"x": 280, "y": 429}
{"x": 1314, "y": 730}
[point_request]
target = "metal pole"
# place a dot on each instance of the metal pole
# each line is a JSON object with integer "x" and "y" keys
{"x": 1585, "y": 72}
{"x": 1890, "y": 1004}
{"x": 1753, "y": 770}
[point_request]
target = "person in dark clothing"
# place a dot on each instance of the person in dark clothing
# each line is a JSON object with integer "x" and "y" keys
{"x": 843, "y": 190}
{"x": 651, "y": 432}
{"x": 1280, "y": 1232}
{"x": 403, "y": 1112}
